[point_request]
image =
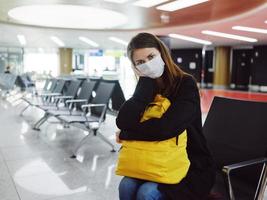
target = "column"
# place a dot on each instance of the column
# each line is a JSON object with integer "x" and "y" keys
{"x": 65, "y": 61}
{"x": 221, "y": 78}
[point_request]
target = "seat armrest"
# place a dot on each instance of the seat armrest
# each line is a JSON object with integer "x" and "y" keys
{"x": 93, "y": 105}
{"x": 228, "y": 168}
{"x": 262, "y": 181}
{"x": 64, "y": 97}
{"x": 50, "y": 94}
{"x": 76, "y": 101}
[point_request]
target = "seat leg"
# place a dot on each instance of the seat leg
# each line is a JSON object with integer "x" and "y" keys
{"x": 80, "y": 144}
{"x": 259, "y": 195}
{"x": 40, "y": 122}
{"x": 102, "y": 137}
{"x": 228, "y": 184}
{"x": 21, "y": 113}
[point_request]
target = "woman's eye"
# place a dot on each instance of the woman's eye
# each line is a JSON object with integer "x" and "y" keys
{"x": 139, "y": 62}
{"x": 150, "y": 57}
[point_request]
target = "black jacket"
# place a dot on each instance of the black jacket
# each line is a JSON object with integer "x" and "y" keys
{"x": 184, "y": 113}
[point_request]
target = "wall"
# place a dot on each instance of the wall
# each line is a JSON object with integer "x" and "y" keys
{"x": 190, "y": 60}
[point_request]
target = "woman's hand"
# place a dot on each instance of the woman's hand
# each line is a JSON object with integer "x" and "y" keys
{"x": 118, "y": 137}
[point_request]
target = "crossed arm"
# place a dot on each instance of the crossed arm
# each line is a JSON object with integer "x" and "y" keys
{"x": 176, "y": 119}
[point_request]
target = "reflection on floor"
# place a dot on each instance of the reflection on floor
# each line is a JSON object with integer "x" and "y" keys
{"x": 36, "y": 165}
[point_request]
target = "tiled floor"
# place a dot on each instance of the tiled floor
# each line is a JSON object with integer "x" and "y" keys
{"x": 37, "y": 165}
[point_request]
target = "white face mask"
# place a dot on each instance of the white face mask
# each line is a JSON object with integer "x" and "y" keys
{"x": 153, "y": 68}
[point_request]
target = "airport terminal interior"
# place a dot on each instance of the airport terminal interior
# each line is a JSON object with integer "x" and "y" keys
{"x": 65, "y": 73}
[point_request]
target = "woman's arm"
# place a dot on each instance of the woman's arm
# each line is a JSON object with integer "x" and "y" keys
{"x": 176, "y": 119}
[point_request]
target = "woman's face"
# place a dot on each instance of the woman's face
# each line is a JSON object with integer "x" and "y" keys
{"x": 143, "y": 55}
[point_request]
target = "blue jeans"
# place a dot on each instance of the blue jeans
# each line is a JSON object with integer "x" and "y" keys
{"x": 136, "y": 189}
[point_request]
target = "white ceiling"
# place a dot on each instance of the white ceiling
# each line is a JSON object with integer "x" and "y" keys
{"x": 40, "y": 37}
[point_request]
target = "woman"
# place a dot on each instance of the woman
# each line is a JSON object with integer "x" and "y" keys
{"x": 159, "y": 75}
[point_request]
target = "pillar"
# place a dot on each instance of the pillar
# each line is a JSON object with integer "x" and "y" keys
{"x": 221, "y": 78}
{"x": 65, "y": 61}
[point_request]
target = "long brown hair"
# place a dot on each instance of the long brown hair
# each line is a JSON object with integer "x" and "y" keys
{"x": 168, "y": 83}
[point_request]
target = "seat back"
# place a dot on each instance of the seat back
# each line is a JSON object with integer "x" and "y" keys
{"x": 72, "y": 88}
{"x": 236, "y": 131}
{"x": 52, "y": 85}
{"x": 59, "y": 86}
{"x": 85, "y": 92}
{"x": 103, "y": 95}
{"x": 117, "y": 96}
{"x": 46, "y": 84}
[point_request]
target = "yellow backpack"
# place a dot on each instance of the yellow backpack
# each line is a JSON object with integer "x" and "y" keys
{"x": 158, "y": 161}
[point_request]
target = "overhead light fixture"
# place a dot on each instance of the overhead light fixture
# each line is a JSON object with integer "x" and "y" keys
{"x": 250, "y": 29}
{"x": 88, "y": 41}
{"x": 117, "y": 1}
{"x": 22, "y": 39}
{"x": 230, "y": 36}
{"x": 118, "y": 40}
{"x": 191, "y": 39}
{"x": 148, "y": 3}
{"x": 41, "y": 50}
{"x": 179, "y": 4}
{"x": 67, "y": 16}
{"x": 57, "y": 41}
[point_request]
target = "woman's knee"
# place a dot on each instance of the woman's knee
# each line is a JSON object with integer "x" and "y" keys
{"x": 129, "y": 183}
{"x": 149, "y": 191}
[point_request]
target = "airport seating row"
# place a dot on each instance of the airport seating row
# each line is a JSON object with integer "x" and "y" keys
{"x": 78, "y": 102}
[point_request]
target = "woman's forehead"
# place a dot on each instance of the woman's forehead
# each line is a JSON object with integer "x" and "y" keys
{"x": 143, "y": 52}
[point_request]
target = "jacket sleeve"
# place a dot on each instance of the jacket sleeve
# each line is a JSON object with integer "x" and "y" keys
{"x": 176, "y": 119}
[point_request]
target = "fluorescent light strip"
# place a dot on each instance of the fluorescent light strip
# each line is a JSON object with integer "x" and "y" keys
{"x": 117, "y": 1}
{"x": 120, "y": 41}
{"x": 180, "y": 4}
{"x": 250, "y": 29}
{"x": 230, "y": 36}
{"x": 57, "y": 41}
{"x": 148, "y": 3}
{"x": 88, "y": 41}
{"x": 191, "y": 39}
{"x": 22, "y": 39}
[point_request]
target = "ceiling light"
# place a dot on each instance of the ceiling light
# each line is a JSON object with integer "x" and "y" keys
{"x": 22, "y": 39}
{"x": 117, "y": 1}
{"x": 180, "y": 4}
{"x": 230, "y": 36}
{"x": 250, "y": 29}
{"x": 41, "y": 50}
{"x": 114, "y": 39}
{"x": 148, "y": 3}
{"x": 57, "y": 41}
{"x": 191, "y": 39}
{"x": 67, "y": 16}
{"x": 88, "y": 41}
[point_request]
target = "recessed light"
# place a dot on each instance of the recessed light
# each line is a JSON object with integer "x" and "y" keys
{"x": 22, "y": 39}
{"x": 148, "y": 3}
{"x": 57, "y": 41}
{"x": 250, "y": 29}
{"x": 230, "y": 36}
{"x": 117, "y": 1}
{"x": 67, "y": 16}
{"x": 191, "y": 39}
{"x": 180, "y": 4}
{"x": 88, "y": 41}
{"x": 118, "y": 40}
